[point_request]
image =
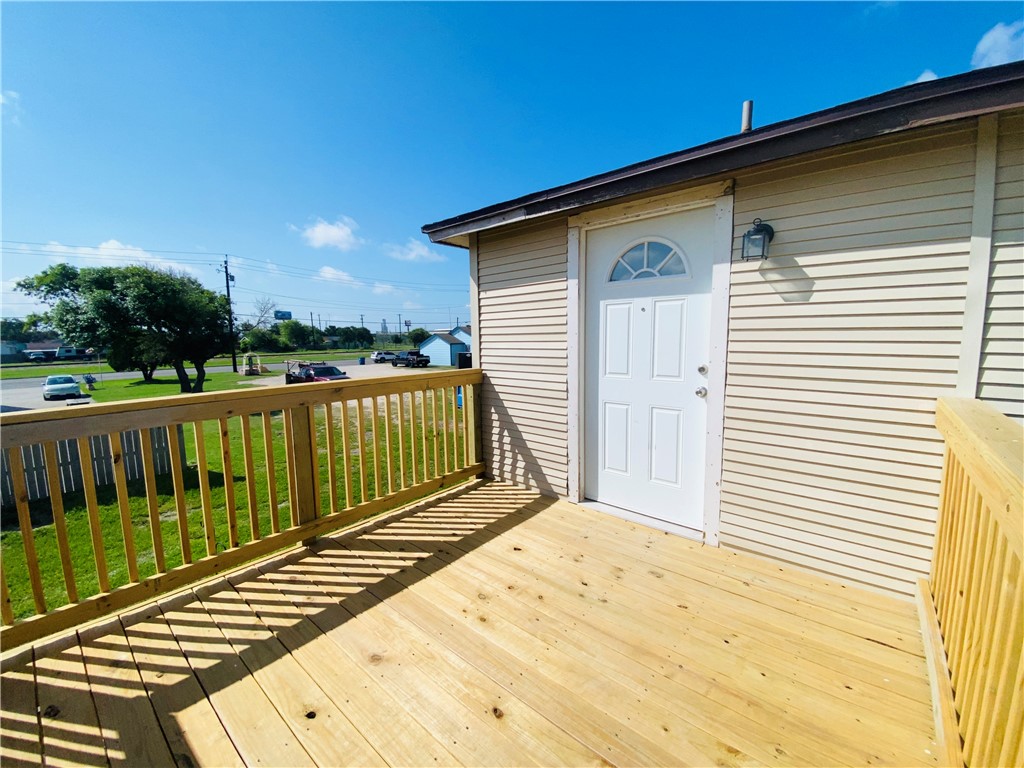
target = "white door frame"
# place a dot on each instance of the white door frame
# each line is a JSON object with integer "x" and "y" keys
{"x": 720, "y": 196}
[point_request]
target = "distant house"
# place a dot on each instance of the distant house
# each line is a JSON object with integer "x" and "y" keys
{"x": 444, "y": 346}
{"x": 11, "y": 351}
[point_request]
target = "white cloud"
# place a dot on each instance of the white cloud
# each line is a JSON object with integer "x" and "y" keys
{"x": 413, "y": 250}
{"x": 108, "y": 253}
{"x": 411, "y": 305}
{"x": 332, "y": 275}
{"x": 322, "y": 234}
{"x": 924, "y": 77}
{"x": 1000, "y": 45}
{"x": 10, "y": 103}
{"x": 383, "y": 289}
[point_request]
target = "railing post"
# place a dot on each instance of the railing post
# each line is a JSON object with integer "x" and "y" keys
{"x": 471, "y": 411}
{"x": 305, "y": 467}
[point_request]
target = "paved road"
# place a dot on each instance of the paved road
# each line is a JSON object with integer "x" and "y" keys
{"x": 23, "y": 394}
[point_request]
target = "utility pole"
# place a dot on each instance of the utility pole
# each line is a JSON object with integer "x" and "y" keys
{"x": 399, "y": 323}
{"x": 361, "y": 323}
{"x": 228, "y": 280}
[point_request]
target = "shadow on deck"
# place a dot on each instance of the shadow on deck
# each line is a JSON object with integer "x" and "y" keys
{"x": 491, "y": 626}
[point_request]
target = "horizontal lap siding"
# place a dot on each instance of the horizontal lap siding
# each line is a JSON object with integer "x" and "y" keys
{"x": 523, "y": 348}
{"x": 1001, "y": 379}
{"x": 839, "y": 344}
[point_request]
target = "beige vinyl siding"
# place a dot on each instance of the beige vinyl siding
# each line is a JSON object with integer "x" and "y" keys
{"x": 1001, "y": 378}
{"x": 523, "y": 347}
{"x": 839, "y": 345}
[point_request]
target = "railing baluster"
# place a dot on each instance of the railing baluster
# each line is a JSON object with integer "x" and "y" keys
{"x": 976, "y": 595}
{"x": 401, "y": 440}
{"x": 289, "y": 451}
{"x": 179, "y": 493}
{"x": 268, "y": 452}
{"x": 28, "y": 541}
{"x": 1009, "y": 697}
{"x": 423, "y": 425}
{"x": 204, "y": 488}
{"x": 59, "y": 522}
{"x": 6, "y": 612}
{"x": 433, "y": 428}
{"x": 387, "y": 443}
{"x": 942, "y": 526}
{"x": 152, "y": 501}
{"x": 92, "y": 508}
{"x": 412, "y": 438}
{"x": 250, "y": 478}
{"x": 124, "y": 509}
{"x": 444, "y": 426}
{"x": 963, "y": 568}
{"x": 229, "y": 482}
{"x": 959, "y": 524}
{"x": 375, "y": 415}
{"x": 469, "y": 394}
{"x": 995, "y": 624}
{"x": 347, "y": 451}
{"x": 466, "y": 417}
{"x": 332, "y": 469}
{"x": 361, "y": 439}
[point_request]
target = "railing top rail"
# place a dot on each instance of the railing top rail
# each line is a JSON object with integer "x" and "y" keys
{"x": 29, "y": 427}
{"x": 990, "y": 446}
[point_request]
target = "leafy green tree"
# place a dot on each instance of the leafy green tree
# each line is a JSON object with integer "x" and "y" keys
{"x": 418, "y": 335}
{"x": 263, "y": 339}
{"x": 146, "y": 317}
{"x": 17, "y": 330}
{"x": 298, "y": 335}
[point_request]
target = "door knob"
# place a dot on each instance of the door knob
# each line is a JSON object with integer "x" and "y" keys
{"x": 701, "y": 392}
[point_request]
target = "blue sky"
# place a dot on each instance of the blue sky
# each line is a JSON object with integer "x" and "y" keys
{"x": 310, "y": 141}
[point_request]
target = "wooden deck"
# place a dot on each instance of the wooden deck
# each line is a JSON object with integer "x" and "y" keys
{"x": 493, "y": 627}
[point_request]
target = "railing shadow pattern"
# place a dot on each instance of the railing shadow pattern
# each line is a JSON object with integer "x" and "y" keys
{"x": 238, "y": 640}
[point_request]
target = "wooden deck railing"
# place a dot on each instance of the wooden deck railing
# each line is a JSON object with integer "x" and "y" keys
{"x": 300, "y": 461}
{"x": 976, "y": 584}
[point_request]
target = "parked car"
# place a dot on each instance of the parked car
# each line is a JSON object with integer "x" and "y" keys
{"x": 411, "y": 359}
{"x": 305, "y": 372}
{"x": 60, "y": 387}
{"x": 36, "y": 357}
{"x": 381, "y": 356}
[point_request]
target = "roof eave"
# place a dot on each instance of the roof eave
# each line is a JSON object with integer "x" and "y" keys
{"x": 906, "y": 108}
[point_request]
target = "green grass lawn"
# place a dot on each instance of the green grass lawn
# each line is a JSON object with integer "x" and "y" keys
{"x": 112, "y": 390}
{"x": 83, "y": 562}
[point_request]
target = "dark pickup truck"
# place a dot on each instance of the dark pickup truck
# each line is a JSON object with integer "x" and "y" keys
{"x": 411, "y": 359}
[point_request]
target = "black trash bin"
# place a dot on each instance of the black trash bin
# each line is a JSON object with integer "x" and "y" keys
{"x": 465, "y": 360}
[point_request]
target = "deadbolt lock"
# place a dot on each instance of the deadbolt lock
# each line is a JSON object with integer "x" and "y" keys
{"x": 702, "y": 370}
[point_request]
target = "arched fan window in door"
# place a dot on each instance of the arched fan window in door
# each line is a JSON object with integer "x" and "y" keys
{"x": 647, "y": 259}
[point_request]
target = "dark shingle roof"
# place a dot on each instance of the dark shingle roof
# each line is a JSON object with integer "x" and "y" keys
{"x": 950, "y": 98}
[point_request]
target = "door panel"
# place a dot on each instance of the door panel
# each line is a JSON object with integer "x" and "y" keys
{"x": 616, "y": 438}
{"x": 668, "y": 345}
{"x": 618, "y": 339}
{"x": 666, "y": 457}
{"x": 646, "y": 333}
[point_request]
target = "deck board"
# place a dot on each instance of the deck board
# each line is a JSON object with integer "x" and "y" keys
{"x": 488, "y": 627}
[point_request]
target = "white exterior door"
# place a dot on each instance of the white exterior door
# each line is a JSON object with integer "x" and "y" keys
{"x": 648, "y": 305}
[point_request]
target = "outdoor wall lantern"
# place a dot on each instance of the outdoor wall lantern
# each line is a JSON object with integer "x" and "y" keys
{"x": 755, "y": 241}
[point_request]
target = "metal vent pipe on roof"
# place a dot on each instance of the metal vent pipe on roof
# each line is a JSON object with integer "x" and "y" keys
{"x": 748, "y": 116}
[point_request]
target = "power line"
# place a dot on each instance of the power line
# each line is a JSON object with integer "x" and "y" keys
{"x": 262, "y": 266}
